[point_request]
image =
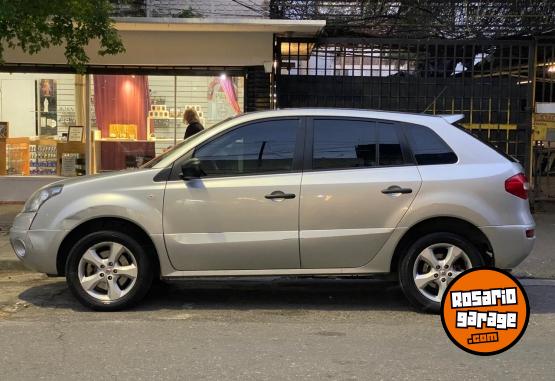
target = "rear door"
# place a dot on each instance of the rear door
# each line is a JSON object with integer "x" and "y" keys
{"x": 359, "y": 181}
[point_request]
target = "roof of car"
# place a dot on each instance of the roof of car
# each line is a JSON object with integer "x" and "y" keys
{"x": 330, "y": 112}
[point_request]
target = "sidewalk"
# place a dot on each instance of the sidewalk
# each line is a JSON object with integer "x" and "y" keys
{"x": 540, "y": 264}
{"x": 8, "y": 260}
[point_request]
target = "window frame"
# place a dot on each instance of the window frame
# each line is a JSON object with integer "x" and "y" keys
{"x": 298, "y": 152}
{"x": 308, "y": 166}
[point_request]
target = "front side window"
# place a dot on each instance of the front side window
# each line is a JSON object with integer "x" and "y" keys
{"x": 259, "y": 147}
{"x": 345, "y": 143}
{"x": 428, "y": 148}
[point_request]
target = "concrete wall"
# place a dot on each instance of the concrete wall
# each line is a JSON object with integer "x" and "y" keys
{"x": 209, "y": 8}
{"x": 20, "y": 188}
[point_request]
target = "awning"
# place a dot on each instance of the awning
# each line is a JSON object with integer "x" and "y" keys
{"x": 184, "y": 42}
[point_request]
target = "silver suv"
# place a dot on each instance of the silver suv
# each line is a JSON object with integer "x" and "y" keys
{"x": 288, "y": 193}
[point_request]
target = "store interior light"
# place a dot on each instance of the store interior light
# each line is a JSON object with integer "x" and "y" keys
{"x": 127, "y": 86}
{"x": 551, "y": 69}
{"x": 223, "y": 77}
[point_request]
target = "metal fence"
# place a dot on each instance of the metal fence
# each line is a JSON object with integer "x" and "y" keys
{"x": 487, "y": 81}
{"x": 543, "y": 154}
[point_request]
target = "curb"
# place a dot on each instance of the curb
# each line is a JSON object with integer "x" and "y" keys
{"x": 12, "y": 264}
{"x": 537, "y": 282}
{"x": 9, "y": 262}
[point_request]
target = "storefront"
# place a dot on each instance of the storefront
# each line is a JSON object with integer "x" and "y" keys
{"x": 132, "y": 118}
{"x": 128, "y": 108}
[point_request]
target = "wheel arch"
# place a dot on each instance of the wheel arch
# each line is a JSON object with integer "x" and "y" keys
{"x": 103, "y": 223}
{"x": 443, "y": 224}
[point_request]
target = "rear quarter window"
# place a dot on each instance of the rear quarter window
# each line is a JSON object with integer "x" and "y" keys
{"x": 427, "y": 147}
{"x": 486, "y": 142}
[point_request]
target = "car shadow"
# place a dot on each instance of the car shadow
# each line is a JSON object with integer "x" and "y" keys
{"x": 289, "y": 294}
{"x": 285, "y": 294}
{"x": 246, "y": 294}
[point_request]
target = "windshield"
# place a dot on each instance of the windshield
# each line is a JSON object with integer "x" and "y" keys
{"x": 162, "y": 156}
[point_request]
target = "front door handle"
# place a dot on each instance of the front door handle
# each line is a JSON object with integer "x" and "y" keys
{"x": 396, "y": 189}
{"x": 279, "y": 195}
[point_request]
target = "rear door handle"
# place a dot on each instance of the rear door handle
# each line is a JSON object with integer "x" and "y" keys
{"x": 396, "y": 189}
{"x": 279, "y": 194}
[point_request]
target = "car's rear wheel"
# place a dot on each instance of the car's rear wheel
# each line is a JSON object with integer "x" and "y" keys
{"x": 431, "y": 263}
{"x": 109, "y": 270}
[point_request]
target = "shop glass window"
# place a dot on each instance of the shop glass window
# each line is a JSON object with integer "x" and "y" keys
{"x": 41, "y": 126}
{"x": 343, "y": 143}
{"x": 260, "y": 147}
{"x": 136, "y": 118}
{"x": 132, "y": 118}
{"x": 428, "y": 148}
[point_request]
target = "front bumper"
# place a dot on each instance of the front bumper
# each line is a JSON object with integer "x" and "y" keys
{"x": 37, "y": 249}
{"x": 509, "y": 243}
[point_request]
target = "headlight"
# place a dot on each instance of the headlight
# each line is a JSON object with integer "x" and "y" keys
{"x": 39, "y": 197}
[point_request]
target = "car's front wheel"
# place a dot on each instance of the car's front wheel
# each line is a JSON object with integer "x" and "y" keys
{"x": 431, "y": 263}
{"x": 109, "y": 270}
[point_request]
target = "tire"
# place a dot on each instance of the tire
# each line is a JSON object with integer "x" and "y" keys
{"x": 103, "y": 285}
{"x": 419, "y": 276}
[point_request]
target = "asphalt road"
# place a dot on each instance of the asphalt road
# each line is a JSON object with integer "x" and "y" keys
{"x": 262, "y": 329}
{"x": 258, "y": 329}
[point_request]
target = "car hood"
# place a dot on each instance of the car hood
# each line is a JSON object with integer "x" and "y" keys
{"x": 99, "y": 177}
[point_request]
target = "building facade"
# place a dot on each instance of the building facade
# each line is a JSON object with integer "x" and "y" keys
{"x": 129, "y": 108}
{"x": 225, "y": 57}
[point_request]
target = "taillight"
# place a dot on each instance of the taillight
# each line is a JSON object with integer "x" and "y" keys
{"x": 517, "y": 185}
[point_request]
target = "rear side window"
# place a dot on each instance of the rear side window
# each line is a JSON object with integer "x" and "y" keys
{"x": 346, "y": 143}
{"x": 428, "y": 148}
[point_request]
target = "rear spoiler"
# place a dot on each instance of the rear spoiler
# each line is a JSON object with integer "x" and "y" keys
{"x": 452, "y": 118}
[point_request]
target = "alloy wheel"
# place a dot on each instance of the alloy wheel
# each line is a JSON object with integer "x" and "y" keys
{"x": 107, "y": 271}
{"x": 436, "y": 266}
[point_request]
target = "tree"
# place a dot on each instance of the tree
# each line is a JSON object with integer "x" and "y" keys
{"x": 34, "y": 25}
{"x": 457, "y": 19}
{"x": 187, "y": 13}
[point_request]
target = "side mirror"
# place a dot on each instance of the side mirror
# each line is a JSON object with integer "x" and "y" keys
{"x": 191, "y": 169}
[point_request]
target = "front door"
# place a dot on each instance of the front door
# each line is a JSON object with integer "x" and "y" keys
{"x": 359, "y": 187}
{"x": 244, "y": 214}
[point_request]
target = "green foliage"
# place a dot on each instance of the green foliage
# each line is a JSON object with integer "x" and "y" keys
{"x": 34, "y": 25}
{"x": 463, "y": 19}
{"x": 424, "y": 18}
{"x": 188, "y": 13}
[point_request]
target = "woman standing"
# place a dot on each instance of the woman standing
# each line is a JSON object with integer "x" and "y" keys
{"x": 193, "y": 123}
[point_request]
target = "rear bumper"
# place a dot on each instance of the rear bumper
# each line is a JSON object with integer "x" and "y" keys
{"x": 509, "y": 243}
